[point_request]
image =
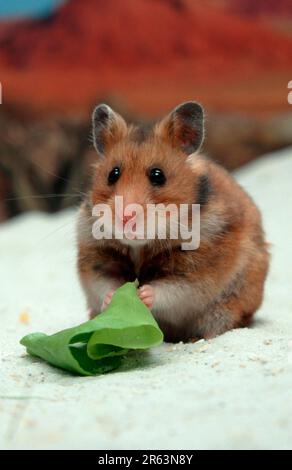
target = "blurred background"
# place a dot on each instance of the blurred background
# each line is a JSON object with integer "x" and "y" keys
{"x": 143, "y": 57}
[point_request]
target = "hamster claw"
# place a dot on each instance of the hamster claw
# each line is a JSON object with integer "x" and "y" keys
{"x": 107, "y": 299}
{"x": 146, "y": 294}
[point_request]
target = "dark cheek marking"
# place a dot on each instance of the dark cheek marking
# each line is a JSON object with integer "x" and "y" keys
{"x": 203, "y": 190}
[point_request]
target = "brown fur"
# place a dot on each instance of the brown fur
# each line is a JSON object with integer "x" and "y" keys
{"x": 200, "y": 293}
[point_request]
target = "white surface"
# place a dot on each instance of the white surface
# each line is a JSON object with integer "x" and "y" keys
{"x": 232, "y": 392}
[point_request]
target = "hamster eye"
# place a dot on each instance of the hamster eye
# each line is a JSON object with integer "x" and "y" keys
{"x": 157, "y": 177}
{"x": 114, "y": 175}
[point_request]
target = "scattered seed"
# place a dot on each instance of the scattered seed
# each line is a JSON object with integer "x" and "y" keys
{"x": 24, "y": 318}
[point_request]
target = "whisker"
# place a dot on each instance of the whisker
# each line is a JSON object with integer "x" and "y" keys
{"x": 48, "y": 171}
{"x": 45, "y": 170}
{"x": 45, "y": 196}
{"x": 54, "y": 231}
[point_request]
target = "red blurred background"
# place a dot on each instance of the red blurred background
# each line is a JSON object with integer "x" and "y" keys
{"x": 142, "y": 57}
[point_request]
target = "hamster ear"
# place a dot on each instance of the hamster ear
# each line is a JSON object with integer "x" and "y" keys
{"x": 108, "y": 127}
{"x": 183, "y": 128}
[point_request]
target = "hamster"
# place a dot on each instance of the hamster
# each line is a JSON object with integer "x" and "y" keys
{"x": 198, "y": 293}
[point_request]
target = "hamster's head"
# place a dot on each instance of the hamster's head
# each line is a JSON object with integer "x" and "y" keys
{"x": 139, "y": 168}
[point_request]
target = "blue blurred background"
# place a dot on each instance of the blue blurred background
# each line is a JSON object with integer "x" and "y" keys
{"x": 33, "y": 8}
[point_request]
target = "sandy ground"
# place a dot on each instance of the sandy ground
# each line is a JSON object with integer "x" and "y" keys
{"x": 234, "y": 392}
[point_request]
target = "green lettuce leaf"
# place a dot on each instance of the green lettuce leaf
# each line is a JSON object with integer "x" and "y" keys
{"x": 98, "y": 345}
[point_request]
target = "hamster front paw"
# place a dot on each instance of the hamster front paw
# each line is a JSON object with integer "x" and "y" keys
{"x": 146, "y": 294}
{"x": 107, "y": 299}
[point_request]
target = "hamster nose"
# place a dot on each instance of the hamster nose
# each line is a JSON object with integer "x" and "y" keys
{"x": 126, "y": 218}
